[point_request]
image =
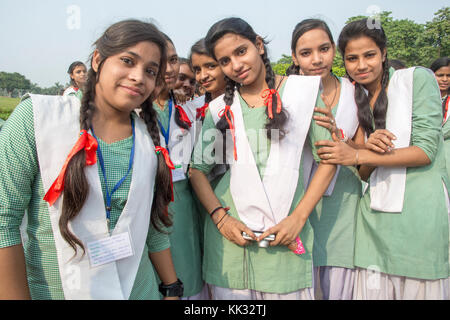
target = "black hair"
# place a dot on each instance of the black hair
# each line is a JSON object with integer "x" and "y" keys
{"x": 239, "y": 27}
{"x": 355, "y": 30}
{"x": 72, "y": 67}
{"x": 397, "y": 64}
{"x": 439, "y": 63}
{"x": 300, "y": 29}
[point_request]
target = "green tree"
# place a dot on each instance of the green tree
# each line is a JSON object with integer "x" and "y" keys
{"x": 282, "y": 65}
{"x": 11, "y": 81}
{"x": 413, "y": 43}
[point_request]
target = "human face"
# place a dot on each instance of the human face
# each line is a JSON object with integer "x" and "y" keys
{"x": 173, "y": 66}
{"x": 186, "y": 80}
{"x": 364, "y": 61}
{"x": 79, "y": 75}
{"x": 240, "y": 59}
{"x": 443, "y": 78}
{"x": 208, "y": 73}
{"x": 128, "y": 78}
{"x": 314, "y": 53}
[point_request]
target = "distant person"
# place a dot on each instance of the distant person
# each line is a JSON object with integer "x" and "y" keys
{"x": 396, "y": 64}
{"x": 77, "y": 72}
{"x": 185, "y": 85}
{"x": 441, "y": 69}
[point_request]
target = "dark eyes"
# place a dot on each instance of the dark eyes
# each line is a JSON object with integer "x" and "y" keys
{"x": 128, "y": 61}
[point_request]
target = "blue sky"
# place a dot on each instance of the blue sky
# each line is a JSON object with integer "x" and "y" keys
{"x": 40, "y": 39}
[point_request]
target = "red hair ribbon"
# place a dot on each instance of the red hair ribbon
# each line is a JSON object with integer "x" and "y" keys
{"x": 184, "y": 116}
{"x": 268, "y": 96}
{"x": 201, "y": 112}
{"x": 169, "y": 163}
{"x": 86, "y": 142}
{"x": 224, "y": 112}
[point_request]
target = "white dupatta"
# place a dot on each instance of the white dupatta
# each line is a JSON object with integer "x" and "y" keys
{"x": 262, "y": 203}
{"x": 56, "y": 125}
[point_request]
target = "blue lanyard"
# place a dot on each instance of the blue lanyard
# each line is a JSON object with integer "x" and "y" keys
{"x": 118, "y": 184}
{"x": 165, "y": 133}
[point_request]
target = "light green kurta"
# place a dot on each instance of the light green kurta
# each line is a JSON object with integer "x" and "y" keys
{"x": 273, "y": 269}
{"x": 334, "y": 218}
{"x": 413, "y": 243}
{"x": 21, "y": 189}
{"x": 185, "y": 234}
{"x": 446, "y": 132}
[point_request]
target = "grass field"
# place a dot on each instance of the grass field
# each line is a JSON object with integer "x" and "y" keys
{"x": 7, "y": 106}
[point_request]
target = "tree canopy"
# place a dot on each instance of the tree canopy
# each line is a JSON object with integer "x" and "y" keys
{"x": 413, "y": 43}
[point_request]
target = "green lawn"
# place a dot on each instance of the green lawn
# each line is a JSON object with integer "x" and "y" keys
{"x": 7, "y": 106}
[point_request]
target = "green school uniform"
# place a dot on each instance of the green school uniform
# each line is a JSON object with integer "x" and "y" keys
{"x": 333, "y": 219}
{"x": 225, "y": 264}
{"x": 446, "y": 132}
{"x": 21, "y": 190}
{"x": 413, "y": 243}
{"x": 185, "y": 233}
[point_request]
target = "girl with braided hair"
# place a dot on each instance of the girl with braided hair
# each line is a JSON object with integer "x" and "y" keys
{"x": 262, "y": 123}
{"x": 94, "y": 180}
{"x": 333, "y": 219}
{"x": 177, "y": 131}
{"x": 402, "y": 230}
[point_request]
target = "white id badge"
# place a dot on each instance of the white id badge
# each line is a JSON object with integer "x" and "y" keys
{"x": 110, "y": 249}
{"x": 178, "y": 173}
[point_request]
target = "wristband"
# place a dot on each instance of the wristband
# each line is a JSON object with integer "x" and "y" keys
{"x": 215, "y": 210}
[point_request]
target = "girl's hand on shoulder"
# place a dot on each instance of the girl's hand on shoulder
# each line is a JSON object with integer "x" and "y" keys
{"x": 232, "y": 228}
{"x": 380, "y": 141}
{"x": 327, "y": 120}
{"x": 285, "y": 232}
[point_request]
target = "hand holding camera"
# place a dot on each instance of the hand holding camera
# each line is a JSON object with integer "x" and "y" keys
{"x": 264, "y": 243}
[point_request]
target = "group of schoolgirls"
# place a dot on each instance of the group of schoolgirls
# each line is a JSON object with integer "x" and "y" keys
{"x": 267, "y": 187}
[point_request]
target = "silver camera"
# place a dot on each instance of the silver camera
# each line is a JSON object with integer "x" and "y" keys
{"x": 264, "y": 243}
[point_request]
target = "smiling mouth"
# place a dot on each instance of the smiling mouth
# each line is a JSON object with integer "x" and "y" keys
{"x": 132, "y": 91}
{"x": 243, "y": 74}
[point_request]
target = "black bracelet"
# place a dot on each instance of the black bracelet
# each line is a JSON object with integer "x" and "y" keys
{"x": 215, "y": 210}
{"x": 226, "y": 213}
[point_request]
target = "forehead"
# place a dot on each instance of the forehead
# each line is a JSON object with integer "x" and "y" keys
{"x": 184, "y": 68}
{"x": 228, "y": 43}
{"x": 445, "y": 69}
{"x": 79, "y": 68}
{"x": 312, "y": 38}
{"x": 201, "y": 59}
{"x": 148, "y": 51}
{"x": 360, "y": 45}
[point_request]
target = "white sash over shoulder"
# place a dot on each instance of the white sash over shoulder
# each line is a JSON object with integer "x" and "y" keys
{"x": 347, "y": 120}
{"x": 56, "y": 124}
{"x": 262, "y": 203}
{"x": 387, "y": 184}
